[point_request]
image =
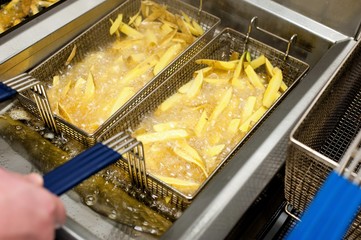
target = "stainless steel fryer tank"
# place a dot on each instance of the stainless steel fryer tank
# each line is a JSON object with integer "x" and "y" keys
{"x": 231, "y": 192}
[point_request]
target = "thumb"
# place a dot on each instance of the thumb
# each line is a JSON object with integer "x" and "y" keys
{"x": 35, "y": 178}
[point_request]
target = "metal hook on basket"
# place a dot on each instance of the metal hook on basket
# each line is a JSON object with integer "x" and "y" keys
{"x": 288, "y": 208}
{"x": 134, "y": 154}
{"x": 9, "y": 88}
{"x": 42, "y": 102}
{"x": 200, "y": 9}
{"x": 254, "y": 21}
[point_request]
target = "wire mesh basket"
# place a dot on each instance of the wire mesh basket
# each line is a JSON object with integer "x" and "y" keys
{"x": 220, "y": 48}
{"x": 323, "y": 135}
{"x": 98, "y": 36}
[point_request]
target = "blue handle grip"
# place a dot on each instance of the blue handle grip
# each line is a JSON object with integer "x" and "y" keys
{"x": 81, "y": 167}
{"x": 6, "y": 92}
{"x": 331, "y": 211}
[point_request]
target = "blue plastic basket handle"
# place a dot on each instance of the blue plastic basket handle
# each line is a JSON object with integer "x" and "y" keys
{"x": 6, "y": 92}
{"x": 81, "y": 167}
{"x": 331, "y": 211}
{"x": 12, "y": 86}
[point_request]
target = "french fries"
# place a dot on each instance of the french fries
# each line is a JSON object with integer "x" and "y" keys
{"x": 15, "y": 11}
{"x": 91, "y": 90}
{"x": 71, "y": 56}
{"x": 216, "y": 108}
{"x": 162, "y": 136}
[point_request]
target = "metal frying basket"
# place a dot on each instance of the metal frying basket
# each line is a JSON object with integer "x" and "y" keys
{"x": 220, "y": 48}
{"x": 323, "y": 135}
{"x": 96, "y": 37}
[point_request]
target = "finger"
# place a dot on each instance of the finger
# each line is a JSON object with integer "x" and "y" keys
{"x": 60, "y": 213}
{"x": 4, "y": 171}
{"x": 32, "y": 177}
{"x": 35, "y": 178}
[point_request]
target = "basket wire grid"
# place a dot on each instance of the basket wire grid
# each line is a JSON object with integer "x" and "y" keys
{"x": 97, "y": 37}
{"x": 219, "y": 48}
{"x": 323, "y": 135}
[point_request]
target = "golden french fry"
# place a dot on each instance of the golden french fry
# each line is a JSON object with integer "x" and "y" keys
{"x": 56, "y": 81}
{"x": 253, "y": 77}
{"x": 160, "y": 127}
{"x": 166, "y": 28}
{"x": 205, "y": 71}
{"x": 66, "y": 89}
{"x": 182, "y": 25}
{"x": 198, "y": 28}
{"x": 233, "y": 125}
{"x": 63, "y": 113}
{"x": 234, "y": 56}
{"x": 167, "y": 38}
{"x": 135, "y": 58}
{"x": 215, "y": 150}
{"x": 237, "y": 72}
{"x": 214, "y": 139}
{"x": 188, "y": 155}
{"x": 127, "y": 44}
{"x": 89, "y": 88}
{"x": 137, "y": 21}
{"x": 202, "y": 106}
{"x": 151, "y": 37}
{"x": 270, "y": 71}
{"x": 222, "y": 104}
{"x": 168, "y": 16}
{"x": 156, "y": 13}
{"x": 170, "y": 102}
{"x": 248, "y": 107}
{"x": 185, "y": 88}
{"x": 270, "y": 95}
{"x": 116, "y": 24}
{"x": 217, "y": 64}
{"x": 124, "y": 95}
{"x": 144, "y": 7}
{"x": 190, "y": 151}
{"x": 269, "y": 67}
{"x": 177, "y": 182}
{"x": 171, "y": 24}
{"x": 199, "y": 128}
{"x": 141, "y": 68}
{"x": 167, "y": 57}
{"x": 162, "y": 136}
{"x": 216, "y": 81}
{"x": 252, "y": 119}
{"x": 129, "y": 31}
{"x": 196, "y": 86}
{"x": 283, "y": 86}
{"x": 133, "y": 18}
{"x": 248, "y": 57}
{"x": 256, "y": 63}
{"x": 192, "y": 30}
{"x": 79, "y": 87}
{"x": 186, "y": 17}
{"x": 184, "y": 37}
{"x": 71, "y": 56}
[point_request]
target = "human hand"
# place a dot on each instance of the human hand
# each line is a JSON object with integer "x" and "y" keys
{"x": 27, "y": 209}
